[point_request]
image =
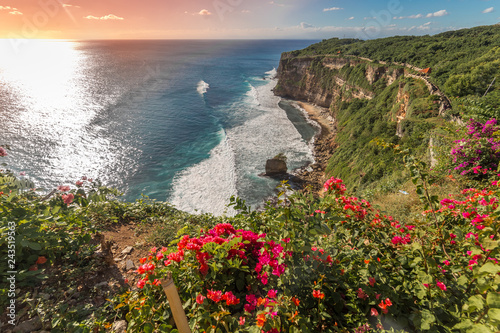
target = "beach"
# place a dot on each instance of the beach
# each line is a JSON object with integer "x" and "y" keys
{"x": 324, "y": 145}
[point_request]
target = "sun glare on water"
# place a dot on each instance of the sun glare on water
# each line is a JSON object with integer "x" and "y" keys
{"x": 52, "y": 110}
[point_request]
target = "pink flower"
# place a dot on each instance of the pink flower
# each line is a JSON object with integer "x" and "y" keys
{"x": 441, "y": 285}
{"x": 362, "y": 294}
{"x": 79, "y": 183}
{"x": 446, "y": 262}
{"x": 272, "y": 293}
{"x": 371, "y": 281}
{"x": 241, "y": 321}
{"x": 22, "y": 173}
{"x": 426, "y": 285}
{"x": 373, "y": 312}
{"x": 63, "y": 188}
{"x": 68, "y": 198}
{"x": 3, "y": 152}
{"x": 249, "y": 307}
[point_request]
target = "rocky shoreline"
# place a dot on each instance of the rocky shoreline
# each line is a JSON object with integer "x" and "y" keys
{"x": 313, "y": 176}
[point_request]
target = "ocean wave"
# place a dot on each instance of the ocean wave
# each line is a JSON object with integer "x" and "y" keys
{"x": 253, "y": 95}
{"x": 272, "y": 73}
{"x": 207, "y": 186}
{"x": 202, "y": 87}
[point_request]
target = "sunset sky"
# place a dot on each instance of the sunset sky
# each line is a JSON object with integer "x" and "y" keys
{"x": 173, "y": 19}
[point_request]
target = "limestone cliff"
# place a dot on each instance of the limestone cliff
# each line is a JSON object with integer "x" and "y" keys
{"x": 324, "y": 79}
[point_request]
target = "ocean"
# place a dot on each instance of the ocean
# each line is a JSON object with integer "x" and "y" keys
{"x": 191, "y": 122}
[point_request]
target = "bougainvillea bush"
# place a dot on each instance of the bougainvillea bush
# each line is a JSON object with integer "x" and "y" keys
{"x": 333, "y": 264}
{"x": 478, "y": 152}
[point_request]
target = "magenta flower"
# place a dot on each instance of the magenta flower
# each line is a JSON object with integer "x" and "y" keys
{"x": 272, "y": 293}
{"x": 373, "y": 312}
{"x": 441, "y": 285}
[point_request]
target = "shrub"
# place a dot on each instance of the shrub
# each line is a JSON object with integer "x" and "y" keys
{"x": 478, "y": 152}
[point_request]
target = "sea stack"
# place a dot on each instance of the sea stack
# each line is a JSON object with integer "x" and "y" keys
{"x": 276, "y": 167}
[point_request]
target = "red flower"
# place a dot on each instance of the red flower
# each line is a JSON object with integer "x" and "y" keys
{"x": 373, "y": 312}
{"x": 295, "y": 301}
{"x": 41, "y": 260}
{"x": 215, "y": 296}
{"x": 141, "y": 283}
{"x": 241, "y": 321}
{"x": 318, "y": 294}
{"x": 200, "y": 298}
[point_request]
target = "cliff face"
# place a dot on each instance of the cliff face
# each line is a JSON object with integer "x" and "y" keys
{"x": 323, "y": 79}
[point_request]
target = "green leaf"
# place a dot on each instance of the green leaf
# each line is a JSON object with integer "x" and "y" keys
{"x": 494, "y": 315}
{"x": 479, "y": 329}
{"x": 490, "y": 244}
{"x": 490, "y": 267}
{"x": 467, "y": 323}
{"x": 493, "y": 300}
{"x": 427, "y": 319}
{"x": 148, "y": 328}
{"x": 463, "y": 280}
{"x": 476, "y": 303}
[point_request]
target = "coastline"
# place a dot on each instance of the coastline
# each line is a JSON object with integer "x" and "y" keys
{"x": 313, "y": 175}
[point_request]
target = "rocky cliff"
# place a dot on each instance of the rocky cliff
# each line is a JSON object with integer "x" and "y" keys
{"x": 324, "y": 79}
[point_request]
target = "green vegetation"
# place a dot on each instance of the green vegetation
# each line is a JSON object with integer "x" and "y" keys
{"x": 463, "y": 62}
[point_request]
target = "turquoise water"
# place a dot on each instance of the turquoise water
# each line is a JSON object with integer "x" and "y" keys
{"x": 190, "y": 122}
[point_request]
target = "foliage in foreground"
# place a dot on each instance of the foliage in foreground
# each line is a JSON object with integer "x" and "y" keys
{"x": 330, "y": 264}
{"x": 334, "y": 265}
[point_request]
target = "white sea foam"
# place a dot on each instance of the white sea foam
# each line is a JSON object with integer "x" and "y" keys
{"x": 234, "y": 166}
{"x": 272, "y": 73}
{"x": 202, "y": 87}
{"x": 207, "y": 186}
{"x": 254, "y": 95}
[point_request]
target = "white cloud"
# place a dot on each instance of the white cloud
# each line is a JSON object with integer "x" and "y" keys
{"x": 488, "y": 10}
{"x": 370, "y": 18}
{"x": 428, "y": 23}
{"x": 439, "y": 13}
{"x": 107, "y": 17}
{"x": 351, "y": 18}
{"x": 66, "y": 5}
{"x": 305, "y": 25}
{"x": 16, "y": 12}
{"x": 332, "y": 8}
{"x": 246, "y": 11}
{"x": 204, "y": 12}
{"x": 7, "y": 8}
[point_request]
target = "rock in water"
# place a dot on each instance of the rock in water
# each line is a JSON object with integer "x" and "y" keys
{"x": 275, "y": 167}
